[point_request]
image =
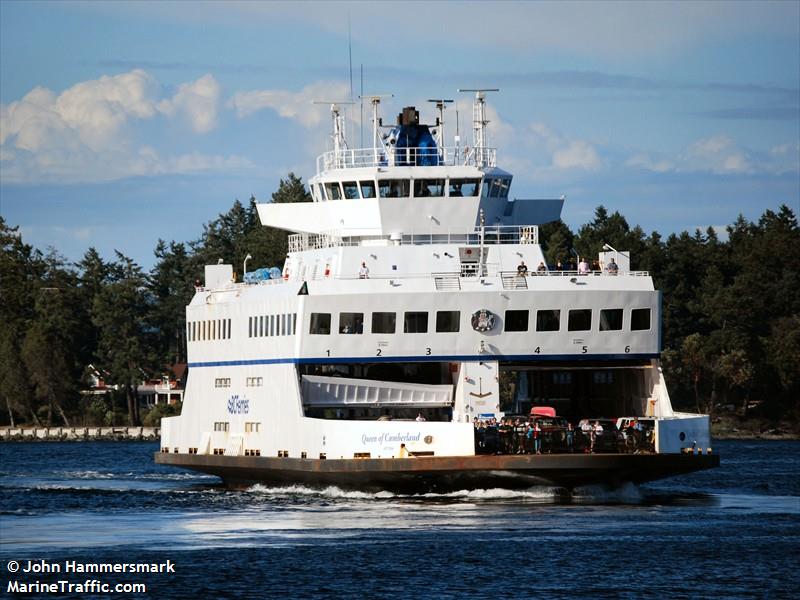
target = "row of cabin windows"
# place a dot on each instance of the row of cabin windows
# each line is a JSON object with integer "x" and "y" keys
{"x": 222, "y": 382}
{"x": 272, "y": 325}
{"x": 402, "y": 188}
{"x": 254, "y": 381}
{"x": 448, "y": 321}
{"x": 249, "y": 427}
{"x": 212, "y": 329}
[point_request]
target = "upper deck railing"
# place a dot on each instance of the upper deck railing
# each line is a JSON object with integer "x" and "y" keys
{"x": 498, "y": 234}
{"x": 406, "y": 157}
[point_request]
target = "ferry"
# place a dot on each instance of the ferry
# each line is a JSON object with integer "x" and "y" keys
{"x": 415, "y": 305}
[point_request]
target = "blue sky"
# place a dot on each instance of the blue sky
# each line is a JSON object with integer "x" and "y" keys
{"x": 125, "y": 122}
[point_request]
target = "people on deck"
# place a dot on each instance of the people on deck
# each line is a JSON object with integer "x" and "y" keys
{"x": 522, "y": 269}
{"x": 363, "y": 272}
{"x": 541, "y": 269}
{"x": 583, "y": 267}
{"x": 612, "y": 268}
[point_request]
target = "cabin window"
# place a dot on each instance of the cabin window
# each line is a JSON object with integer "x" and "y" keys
{"x": 548, "y": 320}
{"x": 351, "y": 322}
{"x": 424, "y": 188}
{"x": 222, "y": 382}
{"x": 562, "y": 378}
{"x": 222, "y": 426}
{"x": 415, "y": 322}
{"x": 334, "y": 192}
{"x": 320, "y": 324}
{"x": 293, "y": 329}
{"x": 320, "y": 191}
{"x": 494, "y": 192}
{"x": 350, "y": 190}
{"x": 603, "y": 377}
{"x": 384, "y": 322}
{"x": 487, "y": 186}
{"x": 261, "y": 326}
{"x": 254, "y": 381}
{"x": 503, "y": 185}
{"x": 516, "y": 320}
{"x": 448, "y": 321}
{"x": 611, "y": 319}
{"x": 464, "y": 187}
{"x": 640, "y": 319}
{"x": 368, "y": 189}
{"x": 393, "y": 188}
{"x": 580, "y": 319}
{"x": 252, "y": 427}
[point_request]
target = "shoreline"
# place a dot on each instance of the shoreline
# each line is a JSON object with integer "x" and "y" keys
{"x": 79, "y": 434}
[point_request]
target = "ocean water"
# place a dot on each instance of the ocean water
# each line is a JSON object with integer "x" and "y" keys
{"x": 733, "y": 532}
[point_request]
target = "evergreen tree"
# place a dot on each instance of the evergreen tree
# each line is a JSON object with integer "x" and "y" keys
{"x": 120, "y": 312}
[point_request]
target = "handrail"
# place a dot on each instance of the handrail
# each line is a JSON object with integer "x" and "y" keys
{"x": 406, "y": 157}
{"x": 492, "y": 235}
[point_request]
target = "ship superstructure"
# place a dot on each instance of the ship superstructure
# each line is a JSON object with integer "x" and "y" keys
{"x": 413, "y": 285}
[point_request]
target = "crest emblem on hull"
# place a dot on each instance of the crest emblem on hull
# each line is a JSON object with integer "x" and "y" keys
{"x": 482, "y": 320}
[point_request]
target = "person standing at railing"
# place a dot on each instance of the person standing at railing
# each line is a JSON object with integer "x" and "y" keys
{"x": 612, "y": 267}
{"x": 522, "y": 269}
{"x": 583, "y": 267}
{"x": 363, "y": 272}
{"x": 541, "y": 269}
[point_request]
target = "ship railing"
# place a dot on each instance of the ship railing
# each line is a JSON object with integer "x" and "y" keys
{"x": 498, "y": 234}
{"x": 355, "y": 158}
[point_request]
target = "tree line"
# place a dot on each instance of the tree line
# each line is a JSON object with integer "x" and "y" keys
{"x": 731, "y": 311}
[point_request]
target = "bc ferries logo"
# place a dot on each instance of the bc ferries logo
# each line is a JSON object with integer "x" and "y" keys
{"x": 238, "y": 406}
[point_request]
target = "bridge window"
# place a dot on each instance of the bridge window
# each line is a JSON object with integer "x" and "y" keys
{"x": 415, "y": 322}
{"x": 611, "y": 319}
{"x": 580, "y": 320}
{"x": 487, "y": 186}
{"x": 350, "y": 190}
{"x": 548, "y": 320}
{"x": 320, "y": 191}
{"x": 448, "y": 321}
{"x": 368, "y": 189}
{"x": 320, "y": 324}
{"x": 393, "y": 188}
{"x": 351, "y": 322}
{"x": 464, "y": 187}
{"x": 334, "y": 191}
{"x": 640, "y": 319}
{"x": 516, "y": 320}
{"x": 503, "y": 184}
{"x": 424, "y": 188}
{"x": 384, "y": 322}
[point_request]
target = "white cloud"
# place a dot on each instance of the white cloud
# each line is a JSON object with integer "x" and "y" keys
{"x": 198, "y": 100}
{"x": 645, "y": 161}
{"x": 292, "y": 105}
{"x": 85, "y": 133}
{"x": 578, "y": 154}
{"x": 721, "y": 155}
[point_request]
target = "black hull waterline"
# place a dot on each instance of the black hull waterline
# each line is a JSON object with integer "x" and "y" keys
{"x": 444, "y": 474}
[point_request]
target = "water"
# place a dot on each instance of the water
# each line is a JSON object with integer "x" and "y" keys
{"x": 733, "y": 532}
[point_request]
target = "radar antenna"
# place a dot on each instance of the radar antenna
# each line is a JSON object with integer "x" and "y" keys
{"x": 339, "y": 141}
{"x": 440, "y": 106}
{"x": 479, "y": 123}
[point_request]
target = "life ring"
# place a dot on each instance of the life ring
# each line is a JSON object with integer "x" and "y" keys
{"x": 482, "y": 320}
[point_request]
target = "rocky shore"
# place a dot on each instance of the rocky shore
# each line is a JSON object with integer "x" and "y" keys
{"x": 77, "y": 434}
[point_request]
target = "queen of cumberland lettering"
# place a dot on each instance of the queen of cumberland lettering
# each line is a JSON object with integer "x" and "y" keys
{"x": 313, "y": 372}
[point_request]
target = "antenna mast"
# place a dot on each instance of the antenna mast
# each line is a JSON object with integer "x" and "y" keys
{"x": 375, "y": 100}
{"x": 339, "y": 141}
{"x": 479, "y": 123}
{"x": 440, "y": 106}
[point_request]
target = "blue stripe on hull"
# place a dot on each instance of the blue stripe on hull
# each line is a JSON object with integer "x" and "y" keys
{"x": 447, "y": 358}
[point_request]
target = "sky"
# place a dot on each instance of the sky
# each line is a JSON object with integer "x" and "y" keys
{"x": 122, "y": 123}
